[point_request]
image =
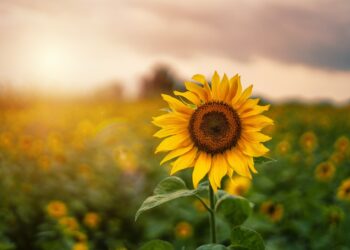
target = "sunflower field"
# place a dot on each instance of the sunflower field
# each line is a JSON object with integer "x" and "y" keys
{"x": 74, "y": 173}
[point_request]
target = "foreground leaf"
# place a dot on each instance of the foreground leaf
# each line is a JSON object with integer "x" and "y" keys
{"x": 212, "y": 247}
{"x": 157, "y": 245}
{"x": 169, "y": 189}
{"x": 234, "y": 209}
{"x": 246, "y": 239}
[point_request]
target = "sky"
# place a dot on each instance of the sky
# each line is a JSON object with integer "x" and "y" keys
{"x": 287, "y": 49}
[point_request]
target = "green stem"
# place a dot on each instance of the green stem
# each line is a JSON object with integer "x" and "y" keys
{"x": 212, "y": 215}
{"x": 203, "y": 202}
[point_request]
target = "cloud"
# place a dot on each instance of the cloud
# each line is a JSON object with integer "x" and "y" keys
{"x": 316, "y": 34}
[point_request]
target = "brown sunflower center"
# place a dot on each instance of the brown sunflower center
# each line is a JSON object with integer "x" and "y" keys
{"x": 215, "y": 127}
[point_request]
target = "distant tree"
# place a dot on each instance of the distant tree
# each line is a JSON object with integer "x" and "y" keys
{"x": 161, "y": 80}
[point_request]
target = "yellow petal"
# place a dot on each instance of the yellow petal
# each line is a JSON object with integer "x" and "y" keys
{"x": 215, "y": 85}
{"x": 177, "y": 105}
{"x": 174, "y": 142}
{"x": 184, "y": 161}
{"x": 199, "y": 78}
{"x": 201, "y": 168}
{"x": 189, "y": 96}
{"x": 252, "y": 149}
{"x": 170, "y": 130}
{"x": 175, "y": 153}
{"x": 254, "y": 111}
{"x": 244, "y": 97}
{"x": 219, "y": 168}
{"x": 238, "y": 163}
{"x": 238, "y": 91}
{"x": 256, "y": 137}
{"x": 171, "y": 119}
{"x": 212, "y": 180}
{"x": 257, "y": 121}
{"x": 198, "y": 90}
{"x": 223, "y": 88}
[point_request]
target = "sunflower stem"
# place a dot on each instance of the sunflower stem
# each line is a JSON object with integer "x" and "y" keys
{"x": 212, "y": 215}
{"x": 203, "y": 202}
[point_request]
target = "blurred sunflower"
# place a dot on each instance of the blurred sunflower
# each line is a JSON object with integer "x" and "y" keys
{"x": 217, "y": 130}
{"x": 92, "y": 220}
{"x": 342, "y": 144}
{"x": 69, "y": 224}
{"x": 56, "y": 209}
{"x": 344, "y": 190}
{"x": 80, "y": 246}
{"x": 273, "y": 210}
{"x": 308, "y": 141}
{"x": 183, "y": 230}
{"x": 238, "y": 185}
{"x": 324, "y": 171}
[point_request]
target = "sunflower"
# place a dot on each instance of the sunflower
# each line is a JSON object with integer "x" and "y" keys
{"x": 272, "y": 210}
{"x": 238, "y": 185}
{"x": 56, "y": 209}
{"x": 344, "y": 190}
{"x": 214, "y": 128}
{"x": 325, "y": 171}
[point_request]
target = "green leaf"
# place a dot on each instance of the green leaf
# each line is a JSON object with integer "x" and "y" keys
{"x": 212, "y": 247}
{"x": 263, "y": 160}
{"x": 169, "y": 189}
{"x": 234, "y": 209}
{"x": 169, "y": 185}
{"x": 246, "y": 239}
{"x": 157, "y": 245}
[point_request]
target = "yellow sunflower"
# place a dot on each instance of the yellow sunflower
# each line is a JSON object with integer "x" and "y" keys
{"x": 214, "y": 128}
{"x": 344, "y": 190}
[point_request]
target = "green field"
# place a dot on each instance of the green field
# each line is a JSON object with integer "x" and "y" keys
{"x": 74, "y": 173}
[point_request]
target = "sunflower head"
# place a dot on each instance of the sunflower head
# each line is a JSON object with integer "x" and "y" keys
{"x": 214, "y": 128}
{"x": 183, "y": 230}
{"x": 324, "y": 171}
{"x": 273, "y": 211}
{"x": 56, "y": 209}
{"x": 238, "y": 185}
{"x": 344, "y": 190}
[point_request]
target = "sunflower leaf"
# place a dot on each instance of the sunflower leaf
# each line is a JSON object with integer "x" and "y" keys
{"x": 264, "y": 160}
{"x": 246, "y": 239}
{"x": 212, "y": 247}
{"x": 157, "y": 245}
{"x": 234, "y": 209}
{"x": 169, "y": 189}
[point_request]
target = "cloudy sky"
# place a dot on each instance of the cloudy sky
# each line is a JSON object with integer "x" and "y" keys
{"x": 286, "y": 48}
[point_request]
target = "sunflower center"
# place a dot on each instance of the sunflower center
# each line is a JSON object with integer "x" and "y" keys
{"x": 215, "y": 127}
{"x": 271, "y": 209}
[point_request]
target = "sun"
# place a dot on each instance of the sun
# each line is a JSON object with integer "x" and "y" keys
{"x": 52, "y": 61}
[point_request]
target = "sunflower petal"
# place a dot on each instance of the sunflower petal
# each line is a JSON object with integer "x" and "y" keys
{"x": 196, "y": 89}
{"x": 238, "y": 162}
{"x": 174, "y": 142}
{"x": 252, "y": 149}
{"x": 189, "y": 96}
{"x": 175, "y": 153}
{"x": 199, "y": 78}
{"x": 219, "y": 168}
{"x": 201, "y": 168}
{"x": 171, "y": 119}
{"x": 238, "y": 91}
{"x": 215, "y": 85}
{"x": 223, "y": 88}
{"x": 256, "y": 137}
{"x": 177, "y": 105}
{"x": 184, "y": 161}
{"x": 170, "y": 130}
{"x": 244, "y": 97}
